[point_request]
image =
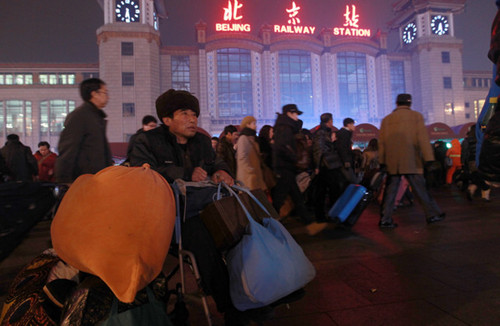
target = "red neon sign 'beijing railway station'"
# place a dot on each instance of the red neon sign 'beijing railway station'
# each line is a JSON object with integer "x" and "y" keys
{"x": 351, "y": 27}
{"x": 231, "y": 13}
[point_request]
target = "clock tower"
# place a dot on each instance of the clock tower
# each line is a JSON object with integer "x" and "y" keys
{"x": 427, "y": 36}
{"x": 129, "y": 63}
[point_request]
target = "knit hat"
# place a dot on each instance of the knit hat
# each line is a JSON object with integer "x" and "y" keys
{"x": 117, "y": 225}
{"x": 172, "y": 100}
{"x": 246, "y": 121}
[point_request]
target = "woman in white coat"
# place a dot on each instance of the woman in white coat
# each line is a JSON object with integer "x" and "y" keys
{"x": 248, "y": 158}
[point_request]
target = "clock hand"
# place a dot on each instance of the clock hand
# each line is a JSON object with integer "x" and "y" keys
{"x": 127, "y": 14}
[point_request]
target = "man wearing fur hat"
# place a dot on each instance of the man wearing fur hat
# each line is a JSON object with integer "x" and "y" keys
{"x": 176, "y": 149}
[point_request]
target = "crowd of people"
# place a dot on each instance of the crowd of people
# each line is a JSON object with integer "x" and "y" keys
{"x": 303, "y": 172}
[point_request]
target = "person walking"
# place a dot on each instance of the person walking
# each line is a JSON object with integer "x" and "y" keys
{"x": 225, "y": 148}
{"x": 453, "y": 155}
{"x": 344, "y": 148}
{"x": 248, "y": 158}
{"x": 83, "y": 146}
{"x": 285, "y": 159}
{"x": 46, "y": 162}
{"x": 403, "y": 147}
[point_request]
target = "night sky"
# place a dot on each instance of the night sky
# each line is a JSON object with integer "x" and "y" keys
{"x": 43, "y": 31}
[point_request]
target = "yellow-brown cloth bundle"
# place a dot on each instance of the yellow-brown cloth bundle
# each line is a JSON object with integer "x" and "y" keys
{"x": 117, "y": 225}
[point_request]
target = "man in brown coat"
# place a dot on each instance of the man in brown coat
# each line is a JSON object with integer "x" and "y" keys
{"x": 404, "y": 147}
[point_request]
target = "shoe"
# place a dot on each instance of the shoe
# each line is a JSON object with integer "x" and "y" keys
{"x": 437, "y": 218}
{"x": 387, "y": 225}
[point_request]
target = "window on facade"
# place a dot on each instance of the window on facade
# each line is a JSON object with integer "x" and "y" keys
{"x": 487, "y": 82}
{"x": 127, "y": 79}
{"x": 467, "y": 104}
{"x": 16, "y": 79}
{"x": 296, "y": 79}
{"x": 234, "y": 82}
{"x": 353, "y": 84}
{"x": 397, "y": 72}
{"x": 445, "y": 57}
{"x": 52, "y": 116}
{"x": 57, "y": 79}
{"x": 128, "y": 109}
{"x": 15, "y": 118}
{"x": 66, "y": 79}
{"x": 87, "y": 75}
{"x": 180, "y": 72}
{"x": 447, "y": 82}
{"x": 127, "y": 48}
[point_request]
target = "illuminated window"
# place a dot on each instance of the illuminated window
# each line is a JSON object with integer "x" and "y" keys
{"x": 128, "y": 109}
{"x": 397, "y": 71}
{"x": 15, "y": 117}
{"x": 87, "y": 75}
{"x": 447, "y": 83}
{"x": 9, "y": 79}
{"x": 296, "y": 79}
{"x": 57, "y": 79}
{"x": 353, "y": 85}
{"x": 16, "y": 79}
{"x": 52, "y": 116}
{"x": 180, "y": 72}
{"x": 234, "y": 82}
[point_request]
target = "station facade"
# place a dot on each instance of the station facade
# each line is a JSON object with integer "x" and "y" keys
{"x": 238, "y": 69}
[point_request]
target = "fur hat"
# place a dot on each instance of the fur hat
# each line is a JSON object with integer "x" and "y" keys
{"x": 116, "y": 224}
{"x": 291, "y": 108}
{"x": 172, "y": 100}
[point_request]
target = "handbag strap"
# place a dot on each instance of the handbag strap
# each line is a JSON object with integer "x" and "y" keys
{"x": 177, "y": 226}
{"x": 249, "y": 193}
{"x": 245, "y": 210}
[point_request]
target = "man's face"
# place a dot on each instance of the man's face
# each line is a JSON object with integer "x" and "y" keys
{"x": 183, "y": 124}
{"x": 100, "y": 97}
{"x": 149, "y": 126}
{"x": 44, "y": 150}
{"x": 350, "y": 126}
{"x": 329, "y": 124}
{"x": 293, "y": 115}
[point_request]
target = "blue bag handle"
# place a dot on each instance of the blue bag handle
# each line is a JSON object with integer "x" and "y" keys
{"x": 249, "y": 193}
{"x": 249, "y": 217}
{"x": 177, "y": 226}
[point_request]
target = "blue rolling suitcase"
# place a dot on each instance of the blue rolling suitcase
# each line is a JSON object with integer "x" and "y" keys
{"x": 346, "y": 204}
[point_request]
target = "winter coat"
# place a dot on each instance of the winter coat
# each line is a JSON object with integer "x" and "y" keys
{"x": 468, "y": 153}
{"x": 83, "y": 146}
{"x": 403, "y": 142}
{"x": 325, "y": 152}
{"x": 159, "y": 148}
{"x": 46, "y": 166}
{"x": 226, "y": 152}
{"x": 455, "y": 152}
{"x": 489, "y": 159}
{"x": 249, "y": 161}
{"x": 21, "y": 163}
{"x": 285, "y": 148}
{"x": 344, "y": 147}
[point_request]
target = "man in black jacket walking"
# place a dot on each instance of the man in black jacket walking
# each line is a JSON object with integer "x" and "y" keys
{"x": 285, "y": 159}
{"x": 344, "y": 147}
{"x": 83, "y": 146}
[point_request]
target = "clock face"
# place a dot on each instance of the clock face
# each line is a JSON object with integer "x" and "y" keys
{"x": 440, "y": 25}
{"x": 409, "y": 33}
{"x": 155, "y": 20}
{"x": 127, "y": 11}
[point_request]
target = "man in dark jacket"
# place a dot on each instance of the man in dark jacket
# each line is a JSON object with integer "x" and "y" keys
{"x": 20, "y": 162}
{"x": 344, "y": 147}
{"x": 225, "y": 148}
{"x": 285, "y": 159}
{"x": 83, "y": 146}
{"x": 148, "y": 122}
{"x": 327, "y": 166}
{"x": 177, "y": 150}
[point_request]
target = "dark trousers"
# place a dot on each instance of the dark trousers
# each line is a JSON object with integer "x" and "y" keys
{"x": 213, "y": 270}
{"x": 331, "y": 182}
{"x": 417, "y": 183}
{"x": 286, "y": 184}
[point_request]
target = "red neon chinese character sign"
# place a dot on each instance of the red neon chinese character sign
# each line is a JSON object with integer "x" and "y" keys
{"x": 292, "y": 12}
{"x": 351, "y": 27}
{"x": 293, "y": 27}
{"x": 231, "y": 14}
{"x": 351, "y": 19}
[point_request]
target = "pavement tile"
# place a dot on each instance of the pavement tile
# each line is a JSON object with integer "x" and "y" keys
{"x": 412, "y": 313}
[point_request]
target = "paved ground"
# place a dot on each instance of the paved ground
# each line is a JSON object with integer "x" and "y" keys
{"x": 442, "y": 274}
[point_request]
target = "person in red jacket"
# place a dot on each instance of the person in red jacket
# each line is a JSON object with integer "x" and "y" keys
{"x": 46, "y": 162}
{"x": 453, "y": 155}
